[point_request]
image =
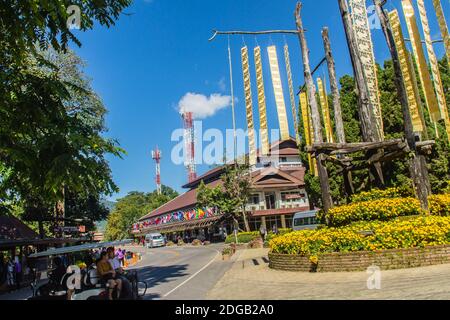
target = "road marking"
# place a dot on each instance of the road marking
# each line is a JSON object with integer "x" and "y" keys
{"x": 191, "y": 277}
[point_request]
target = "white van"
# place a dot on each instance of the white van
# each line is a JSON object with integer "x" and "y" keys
{"x": 153, "y": 240}
{"x": 305, "y": 220}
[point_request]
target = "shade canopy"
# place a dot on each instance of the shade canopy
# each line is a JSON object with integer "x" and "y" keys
{"x": 83, "y": 247}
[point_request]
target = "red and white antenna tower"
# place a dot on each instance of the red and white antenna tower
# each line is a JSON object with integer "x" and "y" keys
{"x": 189, "y": 145}
{"x": 156, "y": 155}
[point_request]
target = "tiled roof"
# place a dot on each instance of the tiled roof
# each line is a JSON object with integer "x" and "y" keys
{"x": 12, "y": 228}
{"x": 183, "y": 201}
{"x": 291, "y": 177}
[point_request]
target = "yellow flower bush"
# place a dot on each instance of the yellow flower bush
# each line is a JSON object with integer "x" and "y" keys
{"x": 376, "y": 194}
{"x": 439, "y": 204}
{"x": 381, "y": 209}
{"x": 384, "y": 209}
{"x": 369, "y": 236}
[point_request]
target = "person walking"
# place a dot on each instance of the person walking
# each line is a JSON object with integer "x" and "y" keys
{"x": 120, "y": 256}
{"x": 262, "y": 232}
{"x": 275, "y": 229}
{"x": 17, "y": 272}
{"x": 10, "y": 274}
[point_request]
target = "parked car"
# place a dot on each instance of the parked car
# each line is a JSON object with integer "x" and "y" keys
{"x": 153, "y": 240}
{"x": 305, "y": 220}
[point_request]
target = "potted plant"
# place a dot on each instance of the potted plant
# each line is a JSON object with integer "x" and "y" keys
{"x": 227, "y": 253}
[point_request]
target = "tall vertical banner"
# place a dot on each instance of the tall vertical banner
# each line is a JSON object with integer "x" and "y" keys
{"x": 307, "y": 124}
{"x": 365, "y": 49}
{"x": 408, "y": 80}
{"x": 249, "y": 106}
{"x": 264, "y": 132}
{"x": 419, "y": 56}
{"x": 278, "y": 92}
{"x": 443, "y": 27}
{"x": 291, "y": 91}
{"x": 437, "y": 82}
{"x": 325, "y": 110}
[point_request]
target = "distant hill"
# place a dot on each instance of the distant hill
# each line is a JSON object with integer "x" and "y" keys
{"x": 109, "y": 204}
{"x": 101, "y": 225}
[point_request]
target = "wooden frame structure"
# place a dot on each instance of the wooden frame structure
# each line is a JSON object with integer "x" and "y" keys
{"x": 376, "y": 150}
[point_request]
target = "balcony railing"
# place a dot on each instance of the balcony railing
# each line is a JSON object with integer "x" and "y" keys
{"x": 290, "y": 164}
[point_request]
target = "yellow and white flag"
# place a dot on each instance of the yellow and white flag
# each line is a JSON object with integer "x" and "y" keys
{"x": 278, "y": 92}
{"x": 261, "y": 103}
{"x": 419, "y": 56}
{"x": 249, "y": 106}
{"x": 407, "y": 73}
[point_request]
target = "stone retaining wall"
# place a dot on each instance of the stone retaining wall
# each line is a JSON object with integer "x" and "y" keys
{"x": 361, "y": 260}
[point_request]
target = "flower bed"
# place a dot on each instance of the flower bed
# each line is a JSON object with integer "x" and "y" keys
{"x": 383, "y": 209}
{"x": 376, "y": 194}
{"x": 365, "y": 236}
{"x": 361, "y": 260}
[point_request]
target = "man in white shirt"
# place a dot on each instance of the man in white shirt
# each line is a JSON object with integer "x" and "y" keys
{"x": 115, "y": 264}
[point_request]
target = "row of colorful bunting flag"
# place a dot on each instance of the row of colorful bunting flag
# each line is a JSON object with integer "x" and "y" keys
{"x": 187, "y": 215}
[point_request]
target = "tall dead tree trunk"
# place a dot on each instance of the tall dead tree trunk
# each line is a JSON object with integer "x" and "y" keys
{"x": 418, "y": 169}
{"x": 334, "y": 87}
{"x": 366, "y": 114}
{"x": 315, "y": 115}
{"x": 336, "y": 106}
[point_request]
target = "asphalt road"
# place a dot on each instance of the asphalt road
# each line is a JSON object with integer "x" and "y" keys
{"x": 174, "y": 273}
{"x": 181, "y": 273}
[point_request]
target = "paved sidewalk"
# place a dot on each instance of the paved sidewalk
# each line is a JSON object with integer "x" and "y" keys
{"x": 251, "y": 278}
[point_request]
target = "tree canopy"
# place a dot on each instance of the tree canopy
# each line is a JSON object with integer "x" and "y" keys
{"x": 51, "y": 120}
{"x": 131, "y": 208}
{"x": 231, "y": 197}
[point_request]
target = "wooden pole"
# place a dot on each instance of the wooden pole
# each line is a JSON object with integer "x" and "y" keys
{"x": 348, "y": 184}
{"x": 334, "y": 87}
{"x": 366, "y": 114}
{"x": 418, "y": 169}
{"x": 315, "y": 115}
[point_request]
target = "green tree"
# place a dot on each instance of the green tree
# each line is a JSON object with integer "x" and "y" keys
{"x": 46, "y": 153}
{"x": 24, "y": 23}
{"x": 131, "y": 208}
{"x": 232, "y": 196}
{"x": 47, "y": 144}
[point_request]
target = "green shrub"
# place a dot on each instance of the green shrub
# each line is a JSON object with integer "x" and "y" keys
{"x": 243, "y": 237}
{"x": 246, "y": 237}
{"x": 227, "y": 251}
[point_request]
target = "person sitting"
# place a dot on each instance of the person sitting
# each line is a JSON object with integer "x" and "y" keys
{"x": 108, "y": 275}
{"x": 116, "y": 265}
{"x": 59, "y": 271}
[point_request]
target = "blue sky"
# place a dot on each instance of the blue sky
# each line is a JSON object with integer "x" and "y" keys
{"x": 159, "y": 51}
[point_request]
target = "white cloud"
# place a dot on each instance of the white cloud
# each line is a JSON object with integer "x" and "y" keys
{"x": 222, "y": 85}
{"x": 202, "y": 106}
